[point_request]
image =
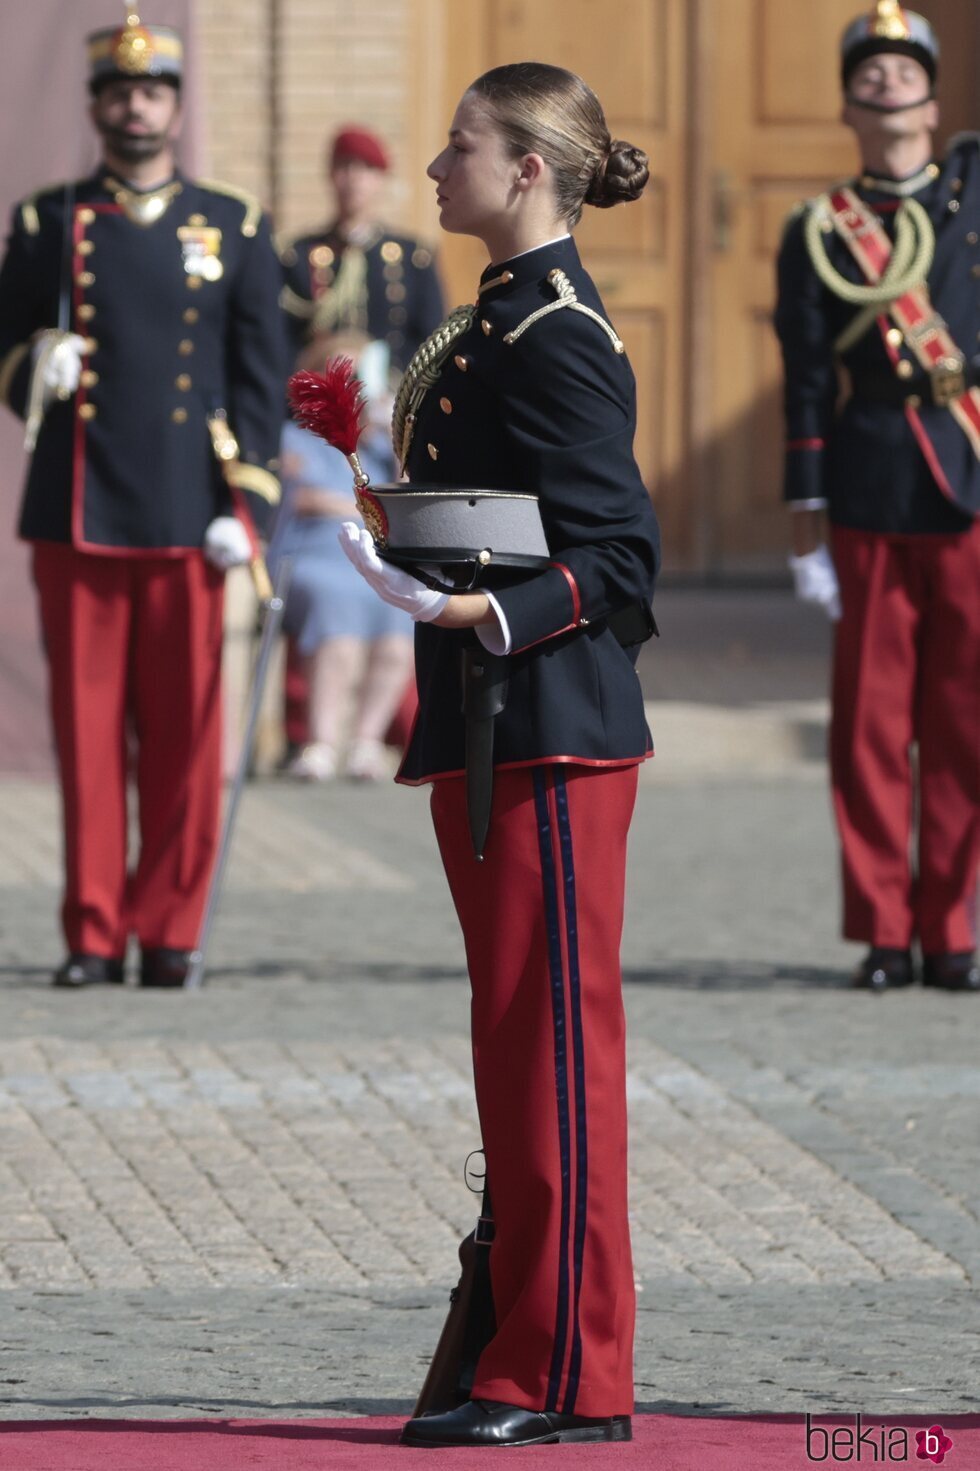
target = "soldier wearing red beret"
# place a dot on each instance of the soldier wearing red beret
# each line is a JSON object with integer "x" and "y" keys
{"x": 354, "y": 272}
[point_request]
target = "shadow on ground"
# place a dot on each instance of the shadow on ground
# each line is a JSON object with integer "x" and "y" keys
{"x": 690, "y": 975}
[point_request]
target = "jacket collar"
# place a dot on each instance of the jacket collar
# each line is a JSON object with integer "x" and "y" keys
{"x": 527, "y": 269}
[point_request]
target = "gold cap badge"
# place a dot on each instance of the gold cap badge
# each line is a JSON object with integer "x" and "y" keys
{"x": 135, "y": 50}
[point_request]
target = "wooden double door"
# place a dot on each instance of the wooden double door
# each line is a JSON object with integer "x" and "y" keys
{"x": 737, "y": 103}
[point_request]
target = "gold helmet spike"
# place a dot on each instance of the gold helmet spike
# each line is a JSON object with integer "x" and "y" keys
{"x": 888, "y": 22}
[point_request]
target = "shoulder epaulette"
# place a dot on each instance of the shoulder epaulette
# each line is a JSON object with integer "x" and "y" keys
{"x": 566, "y": 298}
{"x": 253, "y": 209}
{"x": 29, "y": 216}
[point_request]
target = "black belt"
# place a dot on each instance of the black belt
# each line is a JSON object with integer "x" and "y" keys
{"x": 921, "y": 388}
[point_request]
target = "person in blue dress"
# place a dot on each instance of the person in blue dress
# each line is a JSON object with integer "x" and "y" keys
{"x": 357, "y": 650}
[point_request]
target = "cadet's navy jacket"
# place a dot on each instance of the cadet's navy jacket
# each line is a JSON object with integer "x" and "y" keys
{"x": 864, "y": 459}
{"x": 399, "y": 301}
{"x": 182, "y": 323}
{"x": 552, "y": 412}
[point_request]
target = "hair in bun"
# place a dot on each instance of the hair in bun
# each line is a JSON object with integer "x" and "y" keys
{"x": 620, "y": 177}
{"x": 547, "y": 110}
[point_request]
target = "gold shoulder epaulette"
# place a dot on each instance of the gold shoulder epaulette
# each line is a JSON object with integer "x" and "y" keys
{"x": 566, "y": 298}
{"x": 253, "y": 209}
{"x": 29, "y": 216}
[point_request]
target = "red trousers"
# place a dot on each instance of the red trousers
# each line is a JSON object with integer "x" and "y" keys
{"x": 134, "y": 651}
{"x": 542, "y": 918}
{"x": 907, "y": 669}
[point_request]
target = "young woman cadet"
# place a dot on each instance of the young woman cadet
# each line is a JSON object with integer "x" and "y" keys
{"x": 532, "y": 392}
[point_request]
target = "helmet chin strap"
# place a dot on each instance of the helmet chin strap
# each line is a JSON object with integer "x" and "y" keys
{"x": 853, "y": 101}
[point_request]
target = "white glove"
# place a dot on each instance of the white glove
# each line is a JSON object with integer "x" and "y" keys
{"x": 63, "y": 363}
{"x": 398, "y": 588}
{"x": 226, "y": 543}
{"x": 816, "y": 581}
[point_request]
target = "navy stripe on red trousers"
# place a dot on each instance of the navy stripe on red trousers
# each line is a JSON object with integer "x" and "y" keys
{"x": 134, "y": 653}
{"x": 907, "y": 669}
{"x": 542, "y": 921}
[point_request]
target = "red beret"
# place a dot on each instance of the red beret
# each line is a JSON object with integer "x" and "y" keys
{"x": 359, "y": 144}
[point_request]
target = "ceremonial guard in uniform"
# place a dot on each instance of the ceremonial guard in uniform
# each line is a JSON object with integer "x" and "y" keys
{"x": 141, "y": 339}
{"x": 530, "y": 391}
{"x": 880, "y": 277}
{"x": 356, "y": 273}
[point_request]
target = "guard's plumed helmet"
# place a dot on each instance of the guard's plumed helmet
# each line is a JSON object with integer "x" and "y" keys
{"x": 889, "y": 26}
{"x": 133, "y": 50}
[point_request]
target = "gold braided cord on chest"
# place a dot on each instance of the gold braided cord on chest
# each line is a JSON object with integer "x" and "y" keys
{"x": 911, "y": 258}
{"x": 421, "y": 374}
{"x": 907, "y": 269}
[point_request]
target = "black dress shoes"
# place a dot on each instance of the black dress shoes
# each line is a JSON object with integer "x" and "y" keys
{"x": 165, "y": 968}
{"x": 882, "y": 968}
{"x": 954, "y": 971}
{"x": 88, "y": 970}
{"x": 486, "y": 1422}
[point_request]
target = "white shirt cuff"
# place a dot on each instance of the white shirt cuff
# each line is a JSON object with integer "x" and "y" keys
{"x": 495, "y": 638}
{"x": 815, "y": 504}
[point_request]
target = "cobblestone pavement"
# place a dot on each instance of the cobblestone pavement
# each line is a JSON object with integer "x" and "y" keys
{"x": 248, "y": 1200}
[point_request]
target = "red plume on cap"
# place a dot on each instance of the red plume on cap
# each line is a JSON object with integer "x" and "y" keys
{"x": 330, "y": 403}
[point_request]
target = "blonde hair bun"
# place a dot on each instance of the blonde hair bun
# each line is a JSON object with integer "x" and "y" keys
{"x": 621, "y": 176}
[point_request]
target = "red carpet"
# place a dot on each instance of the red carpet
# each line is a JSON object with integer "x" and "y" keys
{"x": 662, "y": 1443}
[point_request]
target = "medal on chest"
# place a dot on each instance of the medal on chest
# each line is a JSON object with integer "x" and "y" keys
{"x": 201, "y": 249}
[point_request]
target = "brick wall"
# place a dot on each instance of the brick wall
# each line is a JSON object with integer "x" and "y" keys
{"x": 282, "y": 75}
{"x": 233, "y": 40}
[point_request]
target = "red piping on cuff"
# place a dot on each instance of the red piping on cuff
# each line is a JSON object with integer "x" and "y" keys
{"x": 545, "y": 637}
{"x": 805, "y": 444}
{"x": 573, "y": 588}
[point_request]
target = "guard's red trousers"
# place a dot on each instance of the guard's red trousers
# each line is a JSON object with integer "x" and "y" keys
{"x": 542, "y": 918}
{"x": 907, "y": 668}
{"x": 134, "y": 651}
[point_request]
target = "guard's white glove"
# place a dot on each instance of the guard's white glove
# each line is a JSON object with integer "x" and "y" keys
{"x": 226, "y": 543}
{"x": 396, "y": 587}
{"x": 63, "y": 352}
{"x": 816, "y": 581}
